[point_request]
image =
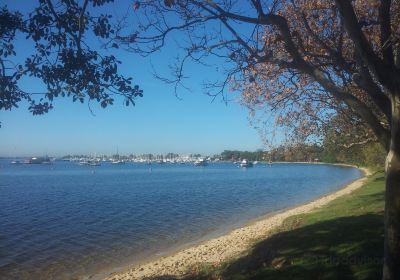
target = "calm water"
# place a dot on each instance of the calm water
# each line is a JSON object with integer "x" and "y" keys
{"x": 65, "y": 221}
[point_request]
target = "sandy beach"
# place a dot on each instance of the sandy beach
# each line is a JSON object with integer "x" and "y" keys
{"x": 233, "y": 244}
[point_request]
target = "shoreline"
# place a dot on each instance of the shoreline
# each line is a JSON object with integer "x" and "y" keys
{"x": 215, "y": 250}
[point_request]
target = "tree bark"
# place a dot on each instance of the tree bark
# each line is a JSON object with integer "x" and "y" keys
{"x": 391, "y": 266}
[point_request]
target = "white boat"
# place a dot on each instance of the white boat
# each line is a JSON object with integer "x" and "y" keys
{"x": 94, "y": 163}
{"x": 246, "y": 163}
{"x": 90, "y": 162}
{"x": 38, "y": 160}
{"x": 118, "y": 161}
{"x": 201, "y": 162}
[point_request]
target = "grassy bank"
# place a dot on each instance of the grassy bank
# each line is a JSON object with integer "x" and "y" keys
{"x": 343, "y": 240}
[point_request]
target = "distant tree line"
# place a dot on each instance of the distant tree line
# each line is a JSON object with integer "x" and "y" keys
{"x": 298, "y": 152}
{"x": 239, "y": 155}
{"x": 368, "y": 154}
{"x": 336, "y": 147}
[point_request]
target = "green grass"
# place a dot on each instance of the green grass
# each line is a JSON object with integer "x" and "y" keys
{"x": 343, "y": 240}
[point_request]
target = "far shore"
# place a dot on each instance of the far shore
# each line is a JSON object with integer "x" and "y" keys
{"x": 233, "y": 244}
{"x": 316, "y": 162}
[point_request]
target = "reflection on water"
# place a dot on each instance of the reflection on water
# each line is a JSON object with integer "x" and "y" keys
{"x": 64, "y": 221}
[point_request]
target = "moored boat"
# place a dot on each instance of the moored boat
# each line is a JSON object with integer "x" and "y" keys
{"x": 38, "y": 160}
{"x": 246, "y": 163}
{"x": 201, "y": 162}
{"x": 118, "y": 161}
{"x": 90, "y": 162}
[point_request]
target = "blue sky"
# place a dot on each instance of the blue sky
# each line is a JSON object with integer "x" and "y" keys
{"x": 159, "y": 123}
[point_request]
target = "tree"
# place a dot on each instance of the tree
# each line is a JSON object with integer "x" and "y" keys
{"x": 306, "y": 60}
{"x": 64, "y": 59}
{"x": 356, "y": 145}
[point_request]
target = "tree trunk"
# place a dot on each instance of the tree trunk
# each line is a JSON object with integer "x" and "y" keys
{"x": 391, "y": 266}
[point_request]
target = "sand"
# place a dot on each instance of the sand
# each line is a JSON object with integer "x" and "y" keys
{"x": 233, "y": 244}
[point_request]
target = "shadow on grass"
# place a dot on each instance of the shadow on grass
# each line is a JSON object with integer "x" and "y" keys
{"x": 343, "y": 248}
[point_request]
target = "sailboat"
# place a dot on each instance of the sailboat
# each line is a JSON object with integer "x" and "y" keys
{"x": 16, "y": 162}
{"x": 118, "y": 160}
